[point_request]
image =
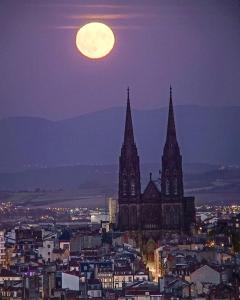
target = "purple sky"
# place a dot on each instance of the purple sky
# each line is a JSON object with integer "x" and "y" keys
{"x": 192, "y": 44}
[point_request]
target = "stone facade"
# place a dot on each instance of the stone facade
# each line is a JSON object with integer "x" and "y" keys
{"x": 159, "y": 210}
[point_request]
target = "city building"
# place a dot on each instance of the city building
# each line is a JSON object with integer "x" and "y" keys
{"x": 2, "y": 249}
{"x": 112, "y": 207}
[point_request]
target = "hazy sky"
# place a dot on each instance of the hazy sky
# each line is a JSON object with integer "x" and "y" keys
{"x": 192, "y": 44}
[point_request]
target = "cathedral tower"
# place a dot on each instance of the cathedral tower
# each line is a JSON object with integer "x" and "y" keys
{"x": 129, "y": 192}
{"x": 172, "y": 178}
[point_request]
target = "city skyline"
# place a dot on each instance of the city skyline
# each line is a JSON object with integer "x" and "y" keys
{"x": 102, "y": 201}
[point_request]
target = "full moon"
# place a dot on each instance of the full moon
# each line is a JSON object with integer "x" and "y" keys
{"x": 95, "y": 40}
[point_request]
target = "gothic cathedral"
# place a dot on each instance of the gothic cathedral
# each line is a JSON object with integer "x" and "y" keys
{"x": 157, "y": 211}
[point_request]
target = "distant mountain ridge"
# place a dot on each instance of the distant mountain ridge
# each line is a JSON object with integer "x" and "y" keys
{"x": 205, "y": 134}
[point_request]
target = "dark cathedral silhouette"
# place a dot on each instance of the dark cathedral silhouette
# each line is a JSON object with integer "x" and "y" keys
{"x": 157, "y": 211}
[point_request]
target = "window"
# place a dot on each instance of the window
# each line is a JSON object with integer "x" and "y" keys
{"x": 175, "y": 186}
{"x": 167, "y": 187}
{"x": 133, "y": 192}
{"x": 65, "y": 246}
{"x": 124, "y": 186}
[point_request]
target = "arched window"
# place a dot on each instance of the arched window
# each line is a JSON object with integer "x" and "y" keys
{"x": 133, "y": 188}
{"x": 124, "y": 186}
{"x": 167, "y": 187}
{"x": 175, "y": 186}
{"x": 125, "y": 217}
{"x": 167, "y": 216}
{"x": 133, "y": 217}
{"x": 176, "y": 216}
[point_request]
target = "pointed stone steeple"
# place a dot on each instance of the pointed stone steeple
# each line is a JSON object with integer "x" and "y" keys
{"x": 129, "y": 191}
{"x": 171, "y": 130}
{"x": 171, "y": 181}
{"x": 128, "y": 133}
{"x": 171, "y": 144}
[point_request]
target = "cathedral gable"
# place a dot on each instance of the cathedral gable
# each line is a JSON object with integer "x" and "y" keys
{"x": 151, "y": 192}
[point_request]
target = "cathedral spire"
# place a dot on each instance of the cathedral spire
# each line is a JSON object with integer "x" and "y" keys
{"x": 129, "y": 190}
{"x": 171, "y": 179}
{"x": 171, "y": 129}
{"x": 128, "y": 133}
